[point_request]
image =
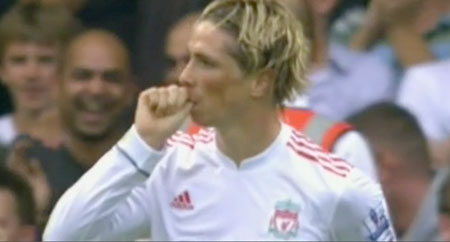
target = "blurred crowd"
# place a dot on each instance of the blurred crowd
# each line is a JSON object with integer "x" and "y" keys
{"x": 378, "y": 95}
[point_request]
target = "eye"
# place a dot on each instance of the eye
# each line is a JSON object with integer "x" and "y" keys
{"x": 17, "y": 60}
{"x": 81, "y": 75}
{"x": 113, "y": 77}
{"x": 206, "y": 62}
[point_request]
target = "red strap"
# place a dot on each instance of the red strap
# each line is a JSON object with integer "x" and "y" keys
{"x": 333, "y": 134}
{"x": 297, "y": 118}
{"x": 193, "y": 129}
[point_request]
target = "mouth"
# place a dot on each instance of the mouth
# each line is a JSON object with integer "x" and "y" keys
{"x": 34, "y": 92}
{"x": 93, "y": 112}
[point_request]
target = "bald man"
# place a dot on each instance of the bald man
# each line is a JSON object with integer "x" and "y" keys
{"x": 95, "y": 90}
{"x": 176, "y": 49}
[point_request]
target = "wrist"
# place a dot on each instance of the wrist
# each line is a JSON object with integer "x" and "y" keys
{"x": 154, "y": 141}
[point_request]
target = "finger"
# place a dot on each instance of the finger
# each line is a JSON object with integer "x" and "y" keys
{"x": 186, "y": 109}
{"x": 152, "y": 97}
{"x": 161, "y": 109}
{"x": 182, "y": 96}
{"x": 17, "y": 162}
{"x": 36, "y": 167}
{"x": 172, "y": 96}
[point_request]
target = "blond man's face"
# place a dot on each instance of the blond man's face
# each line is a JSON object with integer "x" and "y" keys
{"x": 30, "y": 71}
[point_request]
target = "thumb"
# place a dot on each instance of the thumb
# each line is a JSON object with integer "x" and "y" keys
{"x": 186, "y": 109}
{"x": 182, "y": 114}
{"x": 36, "y": 167}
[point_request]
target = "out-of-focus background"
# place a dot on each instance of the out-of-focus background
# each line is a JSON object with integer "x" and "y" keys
{"x": 71, "y": 70}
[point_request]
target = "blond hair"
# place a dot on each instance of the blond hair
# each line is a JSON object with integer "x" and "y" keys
{"x": 37, "y": 23}
{"x": 268, "y": 37}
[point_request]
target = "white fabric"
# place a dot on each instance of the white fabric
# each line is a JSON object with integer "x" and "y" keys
{"x": 353, "y": 148}
{"x": 425, "y": 92}
{"x": 349, "y": 83}
{"x": 7, "y": 130}
{"x": 314, "y": 195}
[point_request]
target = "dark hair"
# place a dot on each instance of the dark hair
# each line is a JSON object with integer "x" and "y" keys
{"x": 26, "y": 208}
{"x": 35, "y": 22}
{"x": 390, "y": 127}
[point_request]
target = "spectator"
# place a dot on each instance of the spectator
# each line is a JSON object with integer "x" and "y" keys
{"x": 17, "y": 209}
{"x": 405, "y": 25}
{"x": 155, "y": 19}
{"x": 337, "y": 71}
{"x": 176, "y": 47}
{"x": 95, "y": 89}
{"x": 404, "y": 168}
{"x": 425, "y": 93}
{"x": 31, "y": 40}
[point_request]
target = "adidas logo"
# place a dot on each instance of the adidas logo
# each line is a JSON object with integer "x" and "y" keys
{"x": 182, "y": 202}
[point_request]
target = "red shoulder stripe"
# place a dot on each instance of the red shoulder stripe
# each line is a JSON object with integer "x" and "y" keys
{"x": 324, "y": 157}
{"x": 315, "y": 160}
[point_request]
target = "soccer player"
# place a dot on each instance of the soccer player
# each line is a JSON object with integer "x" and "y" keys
{"x": 335, "y": 137}
{"x": 250, "y": 177}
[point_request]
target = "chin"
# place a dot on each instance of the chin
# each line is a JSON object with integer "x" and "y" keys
{"x": 204, "y": 121}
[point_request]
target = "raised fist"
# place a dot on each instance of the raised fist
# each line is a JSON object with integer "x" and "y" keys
{"x": 160, "y": 112}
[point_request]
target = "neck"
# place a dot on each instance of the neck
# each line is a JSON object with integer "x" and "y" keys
{"x": 319, "y": 42}
{"x": 249, "y": 135}
{"x": 407, "y": 202}
{"x": 87, "y": 153}
{"x": 25, "y": 119}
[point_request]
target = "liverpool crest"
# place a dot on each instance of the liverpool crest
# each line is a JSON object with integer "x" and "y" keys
{"x": 284, "y": 223}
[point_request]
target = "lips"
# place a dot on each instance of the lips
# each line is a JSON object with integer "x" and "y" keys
{"x": 92, "y": 118}
{"x": 34, "y": 92}
{"x": 93, "y": 112}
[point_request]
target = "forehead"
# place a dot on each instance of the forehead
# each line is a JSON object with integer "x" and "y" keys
{"x": 208, "y": 38}
{"x": 177, "y": 41}
{"x": 96, "y": 55}
{"x": 30, "y": 47}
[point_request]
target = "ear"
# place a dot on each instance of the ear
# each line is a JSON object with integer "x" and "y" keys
{"x": 387, "y": 166}
{"x": 262, "y": 84}
{"x": 27, "y": 233}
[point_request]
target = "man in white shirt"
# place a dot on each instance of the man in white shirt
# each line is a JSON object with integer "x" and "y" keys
{"x": 336, "y": 137}
{"x": 250, "y": 177}
{"x": 425, "y": 93}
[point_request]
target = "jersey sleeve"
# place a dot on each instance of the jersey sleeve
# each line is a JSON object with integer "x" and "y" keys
{"x": 110, "y": 201}
{"x": 361, "y": 213}
{"x": 354, "y": 149}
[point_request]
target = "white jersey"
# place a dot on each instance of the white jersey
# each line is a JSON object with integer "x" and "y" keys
{"x": 7, "y": 130}
{"x": 192, "y": 191}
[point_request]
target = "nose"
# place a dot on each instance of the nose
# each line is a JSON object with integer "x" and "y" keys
{"x": 96, "y": 86}
{"x": 31, "y": 71}
{"x": 185, "y": 78}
